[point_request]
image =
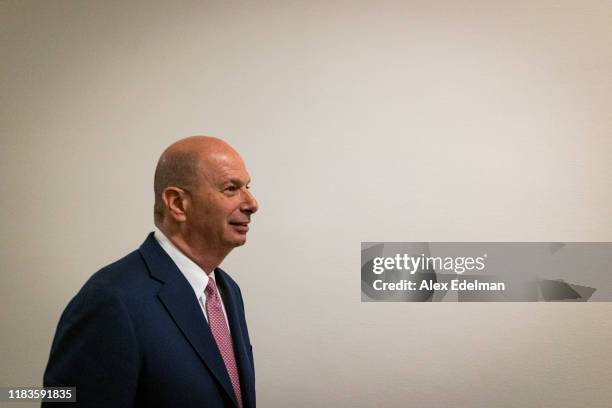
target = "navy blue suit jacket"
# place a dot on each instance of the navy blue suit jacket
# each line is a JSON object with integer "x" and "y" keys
{"x": 135, "y": 335}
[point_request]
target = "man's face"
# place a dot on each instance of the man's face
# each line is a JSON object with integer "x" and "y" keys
{"x": 221, "y": 205}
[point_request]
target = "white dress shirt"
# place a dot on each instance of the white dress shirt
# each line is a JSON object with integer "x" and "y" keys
{"x": 196, "y": 276}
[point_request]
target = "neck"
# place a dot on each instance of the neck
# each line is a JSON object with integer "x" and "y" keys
{"x": 202, "y": 253}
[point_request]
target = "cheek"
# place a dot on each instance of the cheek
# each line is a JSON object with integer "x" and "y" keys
{"x": 232, "y": 208}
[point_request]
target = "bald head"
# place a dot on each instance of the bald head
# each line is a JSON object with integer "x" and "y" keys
{"x": 182, "y": 164}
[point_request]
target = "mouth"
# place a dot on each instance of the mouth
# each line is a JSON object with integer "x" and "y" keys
{"x": 242, "y": 227}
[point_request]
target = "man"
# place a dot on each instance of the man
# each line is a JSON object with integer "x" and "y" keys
{"x": 164, "y": 326}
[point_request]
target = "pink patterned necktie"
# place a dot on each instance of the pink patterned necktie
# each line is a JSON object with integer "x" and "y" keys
{"x": 220, "y": 332}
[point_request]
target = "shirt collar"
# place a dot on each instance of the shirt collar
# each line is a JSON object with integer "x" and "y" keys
{"x": 196, "y": 276}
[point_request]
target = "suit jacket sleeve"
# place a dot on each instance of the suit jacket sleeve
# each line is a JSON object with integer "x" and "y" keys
{"x": 96, "y": 350}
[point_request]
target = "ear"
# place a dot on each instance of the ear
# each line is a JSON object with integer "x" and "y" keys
{"x": 176, "y": 200}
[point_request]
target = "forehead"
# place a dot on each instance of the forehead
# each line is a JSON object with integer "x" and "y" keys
{"x": 221, "y": 167}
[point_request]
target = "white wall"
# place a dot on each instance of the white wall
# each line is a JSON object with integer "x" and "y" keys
{"x": 359, "y": 121}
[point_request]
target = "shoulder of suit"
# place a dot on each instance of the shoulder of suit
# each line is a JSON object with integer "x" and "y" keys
{"x": 126, "y": 275}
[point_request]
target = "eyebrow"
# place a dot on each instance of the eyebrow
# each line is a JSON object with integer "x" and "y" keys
{"x": 239, "y": 182}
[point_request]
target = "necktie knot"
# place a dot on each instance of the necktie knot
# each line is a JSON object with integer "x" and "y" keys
{"x": 211, "y": 293}
{"x": 210, "y": 287}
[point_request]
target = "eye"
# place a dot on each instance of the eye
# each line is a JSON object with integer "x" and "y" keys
{"x": 231, "y": 188}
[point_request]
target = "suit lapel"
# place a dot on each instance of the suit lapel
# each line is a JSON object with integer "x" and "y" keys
{"x": 179, "y": 300}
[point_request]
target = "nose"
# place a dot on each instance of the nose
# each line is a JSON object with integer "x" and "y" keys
{"x": 249, "y": 203}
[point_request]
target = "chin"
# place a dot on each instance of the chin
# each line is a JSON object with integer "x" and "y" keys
{"x": 238, "y": 242}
